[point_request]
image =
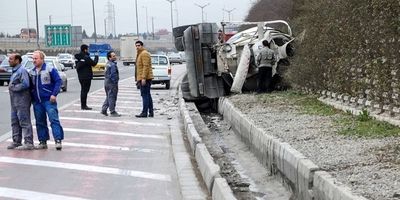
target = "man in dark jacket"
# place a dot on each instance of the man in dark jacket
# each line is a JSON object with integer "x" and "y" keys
{"x": 85, "y": 74}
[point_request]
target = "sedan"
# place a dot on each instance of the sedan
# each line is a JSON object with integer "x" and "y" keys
{"x": 66, "y": 59}
{"x": 53, "y": 61}
{"x": 6, "y": 69}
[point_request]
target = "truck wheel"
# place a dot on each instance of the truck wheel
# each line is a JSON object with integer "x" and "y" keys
{"x": 1, "y": 83}
{"x": 167, "y": 85}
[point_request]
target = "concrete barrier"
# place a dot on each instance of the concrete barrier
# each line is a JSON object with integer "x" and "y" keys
{"x": 300, "y": 174}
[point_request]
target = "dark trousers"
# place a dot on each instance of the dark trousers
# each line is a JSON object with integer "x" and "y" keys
{"x": 111, "y": 97}
{"x": 264, "y": 79}
{"x": 85, "y": 87}
{"x": 146, "y": 98}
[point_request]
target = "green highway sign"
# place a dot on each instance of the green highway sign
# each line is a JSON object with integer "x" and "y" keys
{"x": 58, "y": 35}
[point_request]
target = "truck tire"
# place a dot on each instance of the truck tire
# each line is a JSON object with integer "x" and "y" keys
{"x": 167, "y": 85}
{"x": 185, "y": 89}
{"x": 179, "y": 43}
{"x": 1, "y": 83}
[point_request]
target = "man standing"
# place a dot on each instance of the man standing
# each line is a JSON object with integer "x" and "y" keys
{"x": 265, "y": 60}
{"x": 20, "y": 99}
{"x": 46, "y": 86}
{"x": 111, "y": 78}
{"x": 85, "y": 74}
{"x": 144, "y": 75}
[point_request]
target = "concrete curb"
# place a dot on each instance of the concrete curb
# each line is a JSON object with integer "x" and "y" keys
{"x": 210, "y": 171}
{"x": 303, "y": 177}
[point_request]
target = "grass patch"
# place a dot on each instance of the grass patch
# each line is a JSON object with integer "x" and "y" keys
{"x": 362, "y": 125}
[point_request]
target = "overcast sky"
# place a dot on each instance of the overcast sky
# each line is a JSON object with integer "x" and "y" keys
{"x": 13, "y": 15}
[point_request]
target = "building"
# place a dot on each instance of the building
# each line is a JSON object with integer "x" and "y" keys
{"x": 27, "y": 33}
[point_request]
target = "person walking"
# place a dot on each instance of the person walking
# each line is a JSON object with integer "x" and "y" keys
{"x": 46, "y": 86}
{"x": 20, "y": 99}
{"x": 265, "y": 60}
{"x": 111, "y": 78}
{"x": 144, "y": 76}
{"x": 84, "y": 64}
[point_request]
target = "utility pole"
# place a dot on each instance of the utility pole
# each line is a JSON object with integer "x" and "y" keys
{"x": 50, "y": 19}
{"x": 229, "y": 12}
{"x": 202, "y": 7}
{"x": 172, "y": 18}
{"x": 137, "y": 20}
{"x": 37, "y": 26}
{"x": 177, "y": 17}
{"x": 147, "y": 21}
{"x": 152, "y": 26}
{"x": 94, "y": 23}
{"x": 105, "y": 27}
{"x": 72, "y": 19}
{"x": 27, "y": 21}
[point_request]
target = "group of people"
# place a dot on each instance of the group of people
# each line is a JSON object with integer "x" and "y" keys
{"x": 41, "y": 86}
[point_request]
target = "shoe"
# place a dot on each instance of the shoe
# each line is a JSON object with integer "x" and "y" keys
{"x": 86, "y": 108}
{"x": 26, "y": 147}
{"x": 14, "y": 145}
{"x": 141, "y": 115}
{"x": 42, "y": 145}
{"x": 115, "y": 114}
{"x": 58, "y": 145}
{"x": 151, "y": 114}
{"x": 104, "y": 113}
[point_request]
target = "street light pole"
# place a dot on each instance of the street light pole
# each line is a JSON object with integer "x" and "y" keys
{"x": 37, "y": 26}
{"x": 94, "y": 23}
{"x": 27, "y": 21}
{"x": 147, "y": 21}
{"x": 202, "y": 7}
{"x": 72, "y": 19}
{"x": 229, "y": 12}
{"x": 137, "y": 20}
{"x": 172, "y": 18}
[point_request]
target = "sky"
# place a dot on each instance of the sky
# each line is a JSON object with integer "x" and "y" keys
{"x": 13, "y": 14}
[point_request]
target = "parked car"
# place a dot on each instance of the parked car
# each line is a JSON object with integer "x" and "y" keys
{"x": 2, "y": 57}
{"x": 100, "y": 68}
{"x": 6, "y": 69}
{"x": 67, "y": 60}
{"x": 53, "y": 61}
{"x": 161, "y": 70}
{"x": 175, "y": 58}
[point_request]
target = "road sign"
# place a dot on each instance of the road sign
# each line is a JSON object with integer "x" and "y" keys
{"x": 58, "y": 35}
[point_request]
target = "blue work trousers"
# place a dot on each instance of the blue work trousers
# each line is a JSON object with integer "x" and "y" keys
{"x": 146, "y": 98}
{"x": 41, "y": 109}
{"x": 111, "y": 97}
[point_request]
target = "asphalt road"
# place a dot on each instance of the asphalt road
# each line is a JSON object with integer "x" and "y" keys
{"x": 106, "y": 157}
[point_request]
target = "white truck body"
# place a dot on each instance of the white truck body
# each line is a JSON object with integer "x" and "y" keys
{"x": 128, "y": 50}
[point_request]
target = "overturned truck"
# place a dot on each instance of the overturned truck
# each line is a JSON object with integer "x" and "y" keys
{"x": 216, "y": 67}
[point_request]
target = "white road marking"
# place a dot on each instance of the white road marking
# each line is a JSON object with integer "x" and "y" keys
{"x": 31, "y": 195}
{"x": 88, "y": 168}
{"x": 119, "y": 97}
{"x": 90, "y": 111}
{"x": 120, "y": 107}
{"x": 73, "y": 78}
{"x": 96, "y": 146}
{"x": 112, "y": 121}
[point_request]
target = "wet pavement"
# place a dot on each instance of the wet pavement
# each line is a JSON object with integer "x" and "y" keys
{"x": 103, "y": 157}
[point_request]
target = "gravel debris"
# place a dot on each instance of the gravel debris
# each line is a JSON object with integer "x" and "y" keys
{"x": 369, "y": 166}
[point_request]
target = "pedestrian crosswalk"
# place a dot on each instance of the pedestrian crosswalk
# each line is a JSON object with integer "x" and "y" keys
{"x": 125, "y": 155}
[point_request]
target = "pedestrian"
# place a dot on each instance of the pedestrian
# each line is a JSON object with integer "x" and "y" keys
{"x": 265, "y": 60}
{"x": 111, "y": 78}
{"x": 85, "y": 73}
{"x": 20, "y": 99}
{"x": 144, "y": 76}
{"x": 46, "y": 86}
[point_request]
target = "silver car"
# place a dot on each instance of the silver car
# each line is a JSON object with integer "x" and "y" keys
{"x": 53, "y": 61}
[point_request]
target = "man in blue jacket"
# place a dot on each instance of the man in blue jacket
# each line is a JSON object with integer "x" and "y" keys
{"x": 20, "y": 99}
{"x": 46, "y": 86}
{"x": 111, "y": 78}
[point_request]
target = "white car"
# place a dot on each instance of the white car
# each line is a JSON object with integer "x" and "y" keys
{"x": 161, "y": 70}
{"x": 67, "y": 60}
